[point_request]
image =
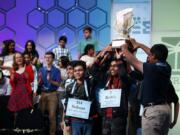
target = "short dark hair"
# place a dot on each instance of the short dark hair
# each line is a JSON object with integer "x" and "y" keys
{"x": 64, "y": 38}
{"x": 160, "y": 51}
{"x": 50, "y": 53}
{"x": 88, "y": 47}
{"x": 64, "y": 61}
{"x": 71, "y": 63}
{"x": 80, "y": 63}
{"x": 87, "y": 28}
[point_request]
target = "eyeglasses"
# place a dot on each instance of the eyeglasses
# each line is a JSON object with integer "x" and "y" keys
{"x": 78, "y": 70}
{"x": 114, "y": 65}
{"x": 69, "y": 68}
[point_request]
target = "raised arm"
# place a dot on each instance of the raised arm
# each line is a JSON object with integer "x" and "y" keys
{"x": 131, "y": 59}
{"x": 140, "y": 45}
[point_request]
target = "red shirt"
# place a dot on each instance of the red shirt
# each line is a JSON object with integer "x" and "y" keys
{"x": 115, "y": 83}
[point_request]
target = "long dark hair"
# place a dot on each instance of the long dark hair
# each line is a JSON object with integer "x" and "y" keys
{"x": 64, "y": 61}
{"x": 87, "y": 48}
{"x": 6, "y": 44}
{"x": 33, "y": 52}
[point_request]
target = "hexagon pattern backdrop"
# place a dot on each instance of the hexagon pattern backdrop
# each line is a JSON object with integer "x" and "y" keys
{"x": 45, "y": 20}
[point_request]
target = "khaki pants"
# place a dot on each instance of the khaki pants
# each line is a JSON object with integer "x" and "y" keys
{"x": 156, "y": 120}
{"x": 61, "y": 95}
{"x": 49, "y": 102}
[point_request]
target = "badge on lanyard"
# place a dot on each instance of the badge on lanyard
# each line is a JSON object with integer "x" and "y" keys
{"x": 78, "y": 108}
{"x": 110, "y": 97}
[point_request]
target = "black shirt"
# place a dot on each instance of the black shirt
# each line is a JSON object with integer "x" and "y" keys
{"x": 172, "y": 96}
{"x": 155, "y": 83}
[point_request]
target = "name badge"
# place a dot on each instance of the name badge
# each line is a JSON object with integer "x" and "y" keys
{"x": 110, "y": 98}
{"x": 78, "y": 108}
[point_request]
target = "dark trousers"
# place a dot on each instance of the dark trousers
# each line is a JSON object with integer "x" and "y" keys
{"x": 6, "y": 117}
{"x": 114, "y": 126}
{"x": 82, "y": 127}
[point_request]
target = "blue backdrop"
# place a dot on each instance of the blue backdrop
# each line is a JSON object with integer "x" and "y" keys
{"x": 45, "y": 20}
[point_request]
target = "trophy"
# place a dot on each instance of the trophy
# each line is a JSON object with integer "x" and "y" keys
{"x": 124, "y": 21}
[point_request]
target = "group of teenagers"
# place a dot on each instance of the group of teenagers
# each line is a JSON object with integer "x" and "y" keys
{"x": 108, "y": 92}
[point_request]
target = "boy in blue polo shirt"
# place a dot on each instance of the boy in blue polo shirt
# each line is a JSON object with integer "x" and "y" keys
{"x": 49, "y": 79}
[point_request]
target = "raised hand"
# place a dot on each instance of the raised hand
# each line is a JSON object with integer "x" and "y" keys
{"x": 68, "y": 129}
{"x": 134, "y": 43}
{"x": 62, "y": 125}
{"x": 118, "y": 54}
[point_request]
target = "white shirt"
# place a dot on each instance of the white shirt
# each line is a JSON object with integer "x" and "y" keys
{"x": 5, "y": 88}
{"x": 63, "y": 77}
{"x": 63, "y": 74}
{"x": 8, "y": 61}
{"x": 88, "y": 59}
{"x": 58, "y": 51}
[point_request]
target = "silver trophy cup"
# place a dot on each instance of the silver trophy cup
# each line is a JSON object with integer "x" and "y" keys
{"x": 124, "y": 21}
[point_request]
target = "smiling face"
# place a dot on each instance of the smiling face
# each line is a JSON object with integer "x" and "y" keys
{"x": 49, "y": 59}
{"x": 11, "y": 47}
{"x": 114, "y": 70}
{"x": 27, "y": 59}
{"x": 29, "y": 47}
{"x": 79, "y": 72}
{"x": 18, "y": 59}
{"x": 70, "y": 71}
{"x": 151, "y": 58}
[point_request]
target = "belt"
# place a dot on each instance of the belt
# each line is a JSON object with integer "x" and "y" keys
{"x": 48, "y": 91}
{"x": 154, "y": 103}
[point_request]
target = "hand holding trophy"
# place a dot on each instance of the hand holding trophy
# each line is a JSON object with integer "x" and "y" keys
{"x": 124, "y": 21}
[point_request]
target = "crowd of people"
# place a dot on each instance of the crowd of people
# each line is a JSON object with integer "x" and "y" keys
{"x": 104, "y": 92}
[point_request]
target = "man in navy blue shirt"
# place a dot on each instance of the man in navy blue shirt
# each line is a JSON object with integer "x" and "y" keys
{"x": 49, "y": 79}
{"x": 156, "y": 78}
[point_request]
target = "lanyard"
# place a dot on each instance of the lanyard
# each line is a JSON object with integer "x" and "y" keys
{"x": 68, "y": 81}
{"x": 85, "y": 86}
{"x": 106, "y": 86}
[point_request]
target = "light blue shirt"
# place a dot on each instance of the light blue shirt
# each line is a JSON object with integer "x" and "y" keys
{"x": 84, "y": 42}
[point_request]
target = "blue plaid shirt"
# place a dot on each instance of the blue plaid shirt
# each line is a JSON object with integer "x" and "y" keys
{"x": 59, "y": 51}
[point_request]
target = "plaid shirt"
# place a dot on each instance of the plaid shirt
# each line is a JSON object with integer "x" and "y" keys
{"x": 58, "y": 51}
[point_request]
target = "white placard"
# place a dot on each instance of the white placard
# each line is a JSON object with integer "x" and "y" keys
{"x": 78, "y": 108}
{"x": 110, "y": 98}
{"x": 8, "y": 62}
